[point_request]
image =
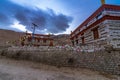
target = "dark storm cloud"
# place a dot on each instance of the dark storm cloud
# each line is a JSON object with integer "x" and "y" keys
{"x": 54, "y": 23}
{"x": 4, "y": 19}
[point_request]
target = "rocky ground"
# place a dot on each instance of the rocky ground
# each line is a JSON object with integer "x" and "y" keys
{"x": 11, "y": 69}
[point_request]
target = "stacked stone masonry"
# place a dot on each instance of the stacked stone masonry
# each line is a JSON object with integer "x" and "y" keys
{"x": 101, "y": 29}
{"x": 105, "y": 61}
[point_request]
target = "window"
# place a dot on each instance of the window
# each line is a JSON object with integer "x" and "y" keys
{"x": 44, "y": 41}
{"x": 38, "y": 39}
{"x": 83, "y": 40}
{"x": 73, "y": 43}
{"x": 95, "y": 33}
{"x": 76, "y": 42}
{"x": 99, "y": 16}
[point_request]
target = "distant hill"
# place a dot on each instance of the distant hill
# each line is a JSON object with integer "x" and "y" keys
{"x": 9, "y": 36}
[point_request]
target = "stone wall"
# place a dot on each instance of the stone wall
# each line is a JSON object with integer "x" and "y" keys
{"x": 105, "y": 61}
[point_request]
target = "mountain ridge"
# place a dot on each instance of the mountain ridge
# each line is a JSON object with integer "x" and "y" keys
{"x": 10, "y": 36}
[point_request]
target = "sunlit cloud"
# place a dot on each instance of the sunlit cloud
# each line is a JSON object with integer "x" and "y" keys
{"x": 20, "y": 27}
{"x": 57, "y": 16}
{"x": 44, "y": 19}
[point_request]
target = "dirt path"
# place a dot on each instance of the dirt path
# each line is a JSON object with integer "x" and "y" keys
{"x": 25, "y": 70}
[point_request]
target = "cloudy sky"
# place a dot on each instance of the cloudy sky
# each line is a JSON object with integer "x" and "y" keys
{"x": 51, "y": 16}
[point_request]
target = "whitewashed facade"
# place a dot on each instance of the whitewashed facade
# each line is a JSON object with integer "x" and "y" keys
{"x": 102, "y": 28}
